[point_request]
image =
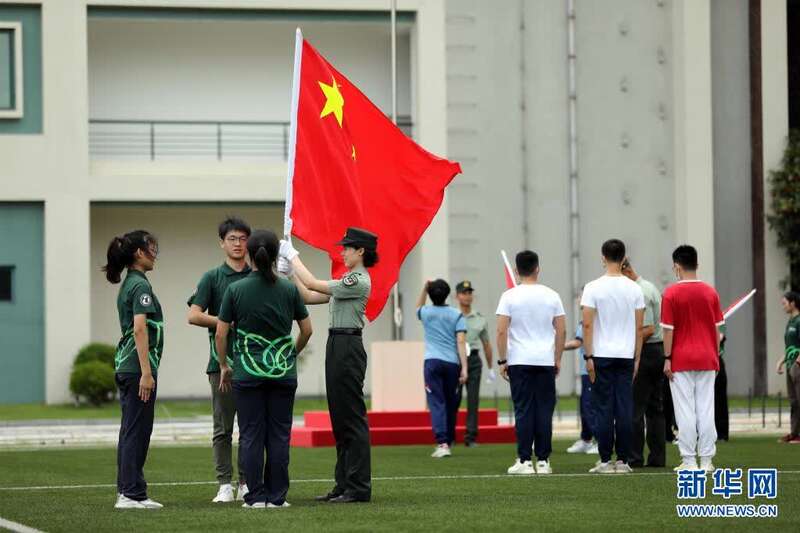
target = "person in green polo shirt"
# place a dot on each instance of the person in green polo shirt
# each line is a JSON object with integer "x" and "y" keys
{"x": 204, "y": 307}
{"x": 261, "y": 308}
{"x": 791, "y": 363}
{"x": 136, "y": 361}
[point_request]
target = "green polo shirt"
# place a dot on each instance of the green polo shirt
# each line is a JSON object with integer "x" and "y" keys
{"x": 792, "y": 339}
{"x": 477, "y": 330}
{"x": 136, "y": 298}
{"x": 262, "y": 314}
{"x": 652, "y": 309}
{"x": 349, "y": 297}
{"x": 208, "y": 296}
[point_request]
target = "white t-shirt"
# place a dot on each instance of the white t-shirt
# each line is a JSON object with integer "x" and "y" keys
{"x": 531, "y": 335}
{"x": 615, "y": 300}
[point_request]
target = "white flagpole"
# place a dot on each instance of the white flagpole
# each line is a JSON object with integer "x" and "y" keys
{"x": 508, "y": 267}
{"x": 397, "y": 332}
{"x": 298, "y": 55}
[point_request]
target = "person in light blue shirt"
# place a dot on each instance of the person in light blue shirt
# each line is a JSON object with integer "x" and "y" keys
{"x": 586, "y": 443}
{"x": 445, "y": 367}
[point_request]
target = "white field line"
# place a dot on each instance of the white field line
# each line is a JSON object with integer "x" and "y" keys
{"x": 388, "y": 478}
{"x": 16, "y": 527}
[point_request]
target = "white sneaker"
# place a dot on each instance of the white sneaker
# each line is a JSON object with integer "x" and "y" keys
{"x": 622, "y": 468}
{"x": 242, "y": 491}
{"x": 593, "y": 449}
{"x": 686, "y": 464}
{"x": 151, "y": 504}
{"x": 273, "y": 506}
{"x": 580, "y": 446}
{"x": 442, "y": 450}
{"x": 543, "y": 467}
{"x": 520, "y": 468}
{"x": 123, "y": 502}
{"x": 602, "y": 468}
{"x": 706, "y": 464}
{"x": 257, "y": 505}
{"x": 225, "y": 494}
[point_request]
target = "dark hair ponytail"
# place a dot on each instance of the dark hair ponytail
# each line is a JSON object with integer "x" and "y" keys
{"x": 121, "y": 252}
{"x": 262, "y": 246}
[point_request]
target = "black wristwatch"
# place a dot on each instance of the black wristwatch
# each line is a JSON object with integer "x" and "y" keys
{"x": 502, "y": 362}
{"x": 668, "y": 357}
{"x": 587, "y": 357}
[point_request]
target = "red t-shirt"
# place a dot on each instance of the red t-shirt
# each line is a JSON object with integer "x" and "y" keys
{"x": 691, "y": 309}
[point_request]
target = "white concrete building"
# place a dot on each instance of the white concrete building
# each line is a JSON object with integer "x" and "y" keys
{"x": 170, "y": 114}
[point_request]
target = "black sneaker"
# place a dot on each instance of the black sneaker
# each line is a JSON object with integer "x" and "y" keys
{"x": 328, "y": 497}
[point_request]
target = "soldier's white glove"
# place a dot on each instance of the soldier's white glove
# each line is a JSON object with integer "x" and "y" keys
{"x": 287, "y": 250}
{"x": 491, "y": 376}
{"x": 285, "y": 267}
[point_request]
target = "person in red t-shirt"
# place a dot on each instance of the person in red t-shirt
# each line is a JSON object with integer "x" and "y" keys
{"x": 690, "y": 316}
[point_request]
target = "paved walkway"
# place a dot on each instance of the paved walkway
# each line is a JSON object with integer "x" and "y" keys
{"x": 197, "y": 430}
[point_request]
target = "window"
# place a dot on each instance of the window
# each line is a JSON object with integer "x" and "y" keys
{"x": 10, "y": 70}
{"x": 5, "y": 283}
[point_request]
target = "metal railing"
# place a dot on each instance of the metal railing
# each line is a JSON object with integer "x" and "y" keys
{"x": 193, "y": 139}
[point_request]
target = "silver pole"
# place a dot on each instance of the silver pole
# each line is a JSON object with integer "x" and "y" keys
{"x": 574, "y": 215}
{"x": 397, "y": 332}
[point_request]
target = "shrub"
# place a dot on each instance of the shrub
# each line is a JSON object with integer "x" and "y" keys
{"x": 94, "y": 381}
{"x": 785, "y": 216}
{"x": 96, "y": 351}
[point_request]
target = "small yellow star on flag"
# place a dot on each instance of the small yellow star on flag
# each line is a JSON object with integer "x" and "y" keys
{"x": 334, "y": 102}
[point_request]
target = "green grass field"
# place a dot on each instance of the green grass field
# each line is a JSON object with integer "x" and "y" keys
{"x": 190, "y": 408}
{"x": 468, "y": 492}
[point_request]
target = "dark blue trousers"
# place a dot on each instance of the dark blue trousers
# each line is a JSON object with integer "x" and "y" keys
{"x": 444, "y": 395}
{"x": 135, "y": 429}
{"x": 613, "y": 403}
{"x": 533, "y": 390}
{"x": 264, "y": 409}
{"x": 587, "y": 410}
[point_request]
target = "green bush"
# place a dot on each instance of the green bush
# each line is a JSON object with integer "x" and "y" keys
{"x": 96, "y": 351}
{"x": 93, "y": 381}
{"x": 785, "y": 216}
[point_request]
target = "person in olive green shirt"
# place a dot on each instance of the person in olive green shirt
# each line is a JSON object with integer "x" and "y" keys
{"x": 477, "y": 336}
{"x": 791, "y": 363}
{"x": 262, "y": 307}
{"x": 345, "y": 357}
{"x": 648, "y": 384}
{"x": 204, "y": 307}
{"x": 136, "y": 361}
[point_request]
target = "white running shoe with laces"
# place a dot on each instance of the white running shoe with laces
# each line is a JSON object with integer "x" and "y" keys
{"x": 593, "y": 449}
{"x": 603, "y": 468}
{"x": 257, "y": 505}
{"x": 622, "y": 468}
{"x": 521, "y": 468}
{"x": 543, "y": 467}
{"x": 283, "y": 505}
{"x": 151, "y": 504}
{"x": 242, "y": 491}
{"x": 442, "y": 450}
{"x": 579, "y": 446}
{"x": 686, "y": 464}
{"x": 224, "y": 494}
{"x": 706, "y": 464}
{"x": 123, "y": 502}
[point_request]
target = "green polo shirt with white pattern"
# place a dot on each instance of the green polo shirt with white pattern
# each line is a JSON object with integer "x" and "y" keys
{"x": 136, "y": 298}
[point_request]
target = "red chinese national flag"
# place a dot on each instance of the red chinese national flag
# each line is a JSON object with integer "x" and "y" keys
{"x": 352, "y": 167}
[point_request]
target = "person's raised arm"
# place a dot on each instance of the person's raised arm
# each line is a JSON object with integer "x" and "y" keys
{"x": 141, "y": 338}
{"x": 423, "y": 296}
{"x": 308, "y": 279}
{"x": 559, "y": 323}
{"x": 309, "y": 297}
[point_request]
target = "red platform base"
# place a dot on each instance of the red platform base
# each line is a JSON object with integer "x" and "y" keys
{"x": 400, "y": 427}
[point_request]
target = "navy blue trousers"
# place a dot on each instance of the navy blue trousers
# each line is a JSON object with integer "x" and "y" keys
{"x": 135, "y": 429}
{"x": 444, "y": 395}
{"x": 587, "y": 410}
{"x": 533, "y": 390}
{"x": 264, "y": 409}
{"x": 612, "y": 395}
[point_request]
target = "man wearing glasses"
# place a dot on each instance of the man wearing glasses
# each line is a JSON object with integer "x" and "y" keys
{"x": 204, "y": 306}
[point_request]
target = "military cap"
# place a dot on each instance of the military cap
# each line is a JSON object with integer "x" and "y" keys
{"x": 359, "y": 238}
{"x": 464, "y": 286}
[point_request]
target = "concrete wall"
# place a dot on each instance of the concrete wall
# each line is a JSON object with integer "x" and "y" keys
{"x": 189, "y": 246}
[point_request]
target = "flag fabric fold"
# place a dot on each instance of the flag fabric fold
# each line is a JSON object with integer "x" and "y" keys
{"x": 349, "y": 165}
{"x": 511, "y": 280}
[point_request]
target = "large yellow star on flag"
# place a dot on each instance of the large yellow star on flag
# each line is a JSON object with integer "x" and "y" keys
{"x": 334, "y": 102}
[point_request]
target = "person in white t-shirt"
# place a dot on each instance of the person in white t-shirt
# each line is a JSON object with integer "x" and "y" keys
{"x": 613, "y": 314}
{"x": 530, "y": 339}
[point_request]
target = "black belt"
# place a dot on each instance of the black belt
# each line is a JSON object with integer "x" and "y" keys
{"x": 345, "y": 331}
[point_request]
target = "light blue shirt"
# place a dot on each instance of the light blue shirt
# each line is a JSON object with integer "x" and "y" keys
{"x": 580, "y": 351}
{"x": 441, "y": 324}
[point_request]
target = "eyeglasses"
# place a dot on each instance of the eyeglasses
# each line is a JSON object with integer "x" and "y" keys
{"x": 235, "y": 240}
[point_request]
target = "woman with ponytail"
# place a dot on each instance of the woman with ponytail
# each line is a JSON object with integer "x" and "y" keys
{"x": 136, "y": 362}
{"x": 261, "y": 308}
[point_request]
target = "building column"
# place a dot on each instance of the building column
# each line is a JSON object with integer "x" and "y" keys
{"x": 694, "y": 162}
